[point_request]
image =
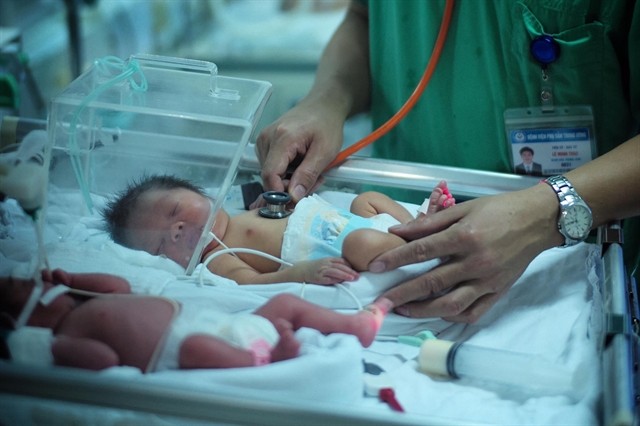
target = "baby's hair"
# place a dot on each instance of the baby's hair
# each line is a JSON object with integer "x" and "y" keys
{"x": 118, "y": 210}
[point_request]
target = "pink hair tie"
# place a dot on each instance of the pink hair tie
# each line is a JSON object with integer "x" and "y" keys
{"x": 261, "y": 351}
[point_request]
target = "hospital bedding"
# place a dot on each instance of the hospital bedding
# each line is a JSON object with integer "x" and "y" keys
{"x": 554, "y": 311}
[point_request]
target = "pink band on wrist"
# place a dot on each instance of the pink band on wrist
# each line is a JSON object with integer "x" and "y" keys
{"x": 261, "y": 351}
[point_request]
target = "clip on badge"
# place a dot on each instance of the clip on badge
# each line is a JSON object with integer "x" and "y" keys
{"x": 546, "y": 50}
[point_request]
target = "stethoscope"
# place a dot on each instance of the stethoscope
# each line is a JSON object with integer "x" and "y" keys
{"x": 276, "y": 207}
{"x": 411, "y": 101}
{"x": 545, "y": 49}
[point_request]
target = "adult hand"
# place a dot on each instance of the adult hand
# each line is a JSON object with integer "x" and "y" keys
{"x": 307, "y": 137}
{"x": 485, "y": 244}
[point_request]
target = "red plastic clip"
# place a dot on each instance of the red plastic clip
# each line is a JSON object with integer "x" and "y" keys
{"x": 387, "y": 395}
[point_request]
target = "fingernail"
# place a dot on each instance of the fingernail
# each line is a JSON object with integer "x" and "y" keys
{"x": 299, "y": 192}
{"x": 377, "y": 267}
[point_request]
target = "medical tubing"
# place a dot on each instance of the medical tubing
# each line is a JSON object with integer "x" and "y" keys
{"x": 228, "y": 250}
{"x": 127, "y": 73}
{"x": 213, "y": 255}
{"x": 41, "y": 262}
{"x": 33, "y": 300}
{"x": 411, "y": 101}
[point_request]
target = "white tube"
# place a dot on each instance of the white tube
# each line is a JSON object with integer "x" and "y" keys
{"x": 530, "y": 374}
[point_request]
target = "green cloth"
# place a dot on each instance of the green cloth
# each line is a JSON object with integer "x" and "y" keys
{"x": 486, "y": 68}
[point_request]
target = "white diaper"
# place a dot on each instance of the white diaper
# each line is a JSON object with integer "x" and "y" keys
{"x": 241, "y": 330}
{"x": 317, "y": 229}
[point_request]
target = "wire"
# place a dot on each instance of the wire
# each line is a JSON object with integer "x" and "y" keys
{"x": 411, "y": 101}
{"x": 233, "y": 251}
{"x": 212, "y": 256}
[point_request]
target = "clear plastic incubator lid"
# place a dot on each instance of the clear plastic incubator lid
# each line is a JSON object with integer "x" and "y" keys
{"x": 151, "y": 115}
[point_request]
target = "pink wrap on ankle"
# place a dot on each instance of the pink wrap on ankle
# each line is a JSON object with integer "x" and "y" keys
{"x": 261, "y": 351}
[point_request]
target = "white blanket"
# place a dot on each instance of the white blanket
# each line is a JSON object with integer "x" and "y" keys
{"x": 554, "y": 311}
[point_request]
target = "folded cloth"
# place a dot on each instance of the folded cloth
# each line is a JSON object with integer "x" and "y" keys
{"x": 31, "y": 346}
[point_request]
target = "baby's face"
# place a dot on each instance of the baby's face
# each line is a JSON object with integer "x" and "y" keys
{"x": 169, "y": 223}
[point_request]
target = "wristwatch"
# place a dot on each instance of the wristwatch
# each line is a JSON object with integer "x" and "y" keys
{"x": 575, "y": 219}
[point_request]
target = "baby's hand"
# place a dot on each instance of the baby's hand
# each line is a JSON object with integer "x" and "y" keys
{"x": 327, "y": 271}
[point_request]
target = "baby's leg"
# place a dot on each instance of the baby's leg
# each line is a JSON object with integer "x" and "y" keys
{"x": 361, "y": 246}
{"x": 205, "y": 351}
{"x": 300, "y": 313}
{"x": 372, "y": 203}
{"x": 288, "y": 346}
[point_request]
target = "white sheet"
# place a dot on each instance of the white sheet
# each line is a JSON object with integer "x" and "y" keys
{"x": 553, "y": 311}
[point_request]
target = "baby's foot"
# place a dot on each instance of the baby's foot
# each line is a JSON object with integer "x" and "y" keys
{"x": 370, "y": 320}
{"x": 439, "y": 199}
{"x": 288, "y": 346}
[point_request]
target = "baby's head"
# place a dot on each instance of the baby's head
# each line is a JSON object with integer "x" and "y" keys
{"x": 160, "y": 214}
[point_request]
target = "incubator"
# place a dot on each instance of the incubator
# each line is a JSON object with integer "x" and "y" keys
{"x": 149, "y": 115}
{"x": 155, "y": 115}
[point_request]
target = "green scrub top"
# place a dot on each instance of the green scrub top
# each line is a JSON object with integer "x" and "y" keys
{"x": 486, "y": 68}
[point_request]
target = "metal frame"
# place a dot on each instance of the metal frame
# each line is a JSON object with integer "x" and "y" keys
{"x": 620, "y": 353}
{"x": 465, "y": 183}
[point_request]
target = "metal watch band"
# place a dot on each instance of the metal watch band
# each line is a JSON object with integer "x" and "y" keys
{"x": 564, "y": 190}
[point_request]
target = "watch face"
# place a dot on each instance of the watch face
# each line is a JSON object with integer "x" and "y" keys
{"x": 577, "y": 222}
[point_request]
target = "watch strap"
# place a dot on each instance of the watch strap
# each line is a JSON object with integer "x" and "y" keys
{"x": 567, "y": 196}
{"x": 563, "y": 189}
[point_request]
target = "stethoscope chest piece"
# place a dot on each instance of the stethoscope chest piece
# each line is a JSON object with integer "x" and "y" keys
{"x": 276, "y": 205}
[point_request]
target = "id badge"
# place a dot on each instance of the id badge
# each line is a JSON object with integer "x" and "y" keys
{"x": 545, "y": 143}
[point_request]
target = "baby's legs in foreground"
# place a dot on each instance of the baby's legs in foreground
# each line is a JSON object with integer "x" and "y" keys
{"x": 205, "y": 351}
{"x": 287, "y": 313}
{"x": 300, "y": 313}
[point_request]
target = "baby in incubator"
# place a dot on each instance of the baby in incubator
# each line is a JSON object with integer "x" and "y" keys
{"x": 165, "y": 215}
{"x": 94, "y": 322}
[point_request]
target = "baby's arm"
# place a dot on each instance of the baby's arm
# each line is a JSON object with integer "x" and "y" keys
{"x": 101, "y": 283}
{"x": 83, "y": 353}
{"x": 329, "y": 270}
